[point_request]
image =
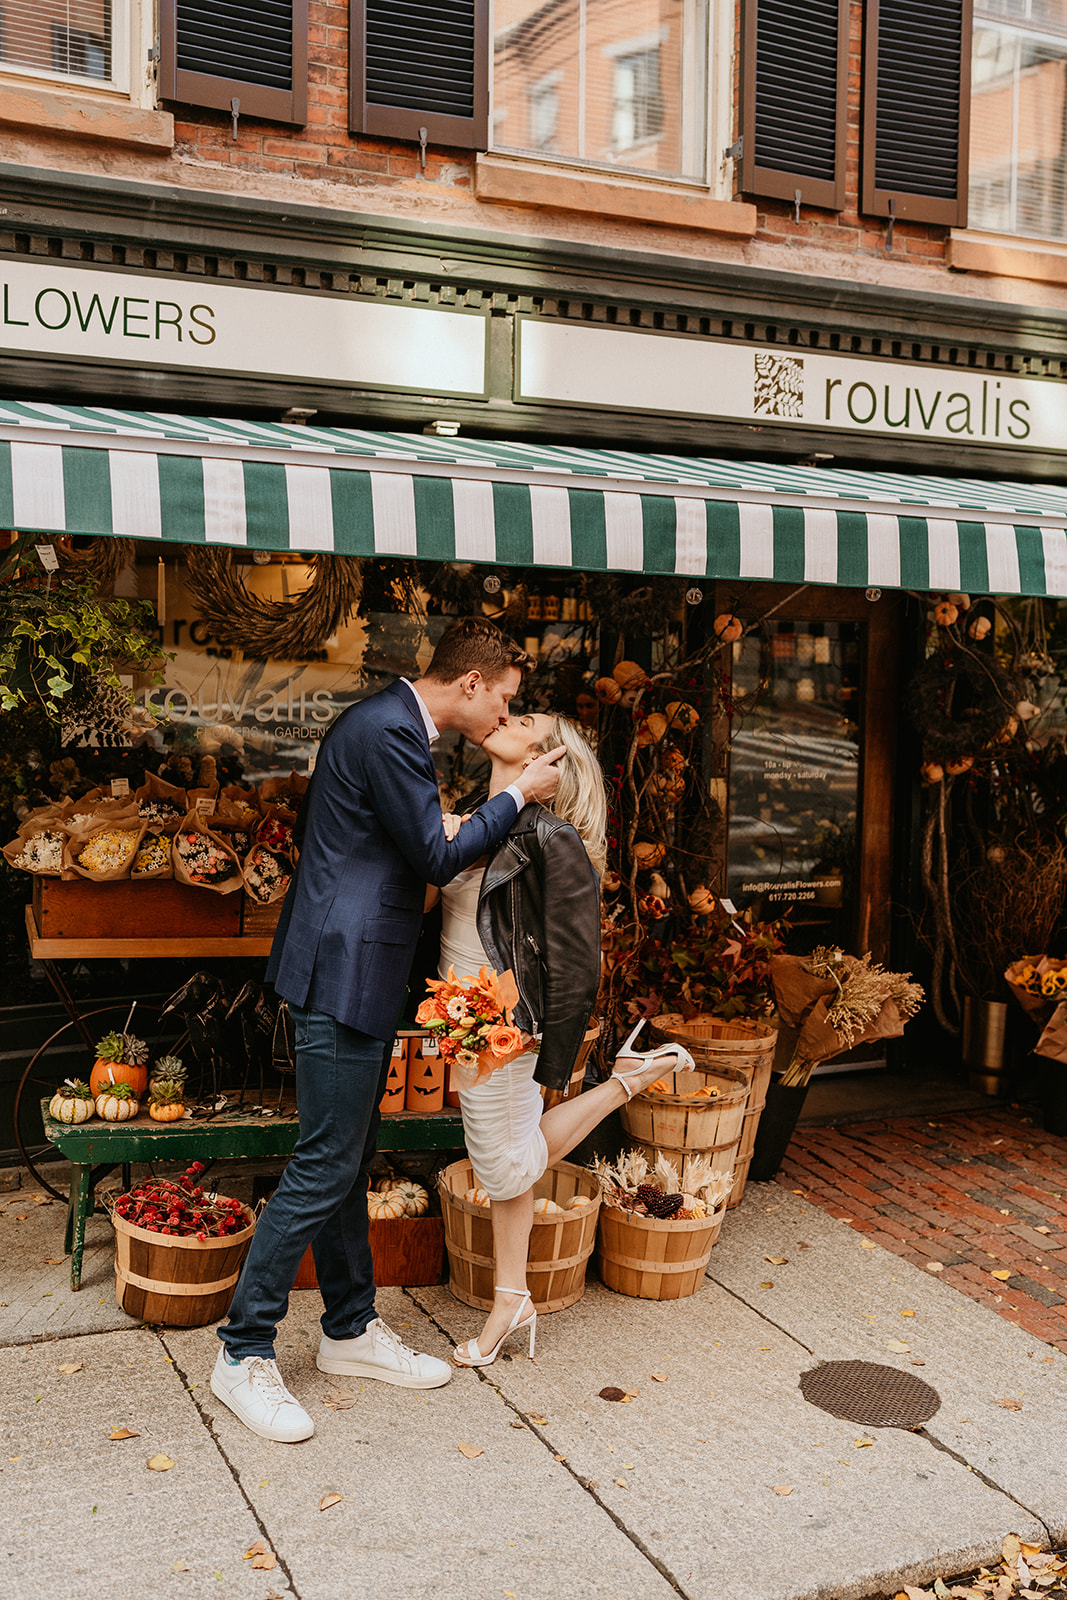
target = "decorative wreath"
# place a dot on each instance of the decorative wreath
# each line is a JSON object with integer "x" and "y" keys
{"x": 101, "y": 559}
{"x": 621, "y": 608}
{"x": 960, "y": 702}
{"x": 273, "y": 629}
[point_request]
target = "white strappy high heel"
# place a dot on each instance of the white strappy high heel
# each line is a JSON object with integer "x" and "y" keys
{"x": 683, "y": 1061}
{"x": 469, "y": 1354}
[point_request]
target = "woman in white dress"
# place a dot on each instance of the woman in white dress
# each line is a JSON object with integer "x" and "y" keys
{"x": 534, "y": 907}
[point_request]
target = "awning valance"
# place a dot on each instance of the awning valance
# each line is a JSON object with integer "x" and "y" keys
{"x": 276, "y": 486}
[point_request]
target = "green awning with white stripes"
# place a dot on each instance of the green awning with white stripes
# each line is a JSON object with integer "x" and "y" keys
{"x": 273, "y": 486}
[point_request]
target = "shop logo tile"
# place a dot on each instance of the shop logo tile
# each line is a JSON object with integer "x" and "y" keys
{"x": 778, "y": 390}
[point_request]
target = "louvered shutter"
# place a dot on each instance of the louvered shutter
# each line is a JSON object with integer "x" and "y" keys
{"x": 213, "y": 52}
{"x": 421, "y": 64}
{"x": 794, "y": 85}
{"x": 916, "y": 104}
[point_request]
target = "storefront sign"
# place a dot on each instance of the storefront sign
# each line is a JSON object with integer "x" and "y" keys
{"x": 74, "y": 313}
{"x": 613, "y": 368}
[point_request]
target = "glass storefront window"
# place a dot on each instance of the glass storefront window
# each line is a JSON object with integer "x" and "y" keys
{"x": 1018, "y": 166}
{"x": 794, "y": 777}
{"x": 603, "y": 82}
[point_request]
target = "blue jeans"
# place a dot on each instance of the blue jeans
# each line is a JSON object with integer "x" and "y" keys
{"x": 322, "y": 1197}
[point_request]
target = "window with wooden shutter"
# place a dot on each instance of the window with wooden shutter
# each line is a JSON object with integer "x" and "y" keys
{"x": 916, "y": 99}
{"x": 420, "y": 69}
{"x": 213, "y": 52}
{"x": 794, "y": 102}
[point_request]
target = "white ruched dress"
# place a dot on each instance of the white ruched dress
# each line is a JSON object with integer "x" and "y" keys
{"x": 502, "y": 1116}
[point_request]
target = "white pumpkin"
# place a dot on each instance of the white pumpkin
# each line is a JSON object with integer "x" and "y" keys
{"x": 546, "y": 1208}
{"x": 72, "y": 1102}
{"x": 115, "y": 1107}
{"x": 477, "y": 1197}
{"x": 416, "y": 1200}
{"x": 579, "y": 1201}
{"x": 381, "y": 1207}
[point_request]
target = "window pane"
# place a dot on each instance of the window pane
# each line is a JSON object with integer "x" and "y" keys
{"x": 1018, "y": 178}
{"x": 608, "y": 82}
{"x": 68, "y": 36}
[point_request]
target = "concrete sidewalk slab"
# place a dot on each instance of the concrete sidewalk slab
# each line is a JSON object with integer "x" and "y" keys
{"x": 843, "y": 1301}
{"x": 696, "y": 1465}
{"x": 419, "y": 1521}
{"x": 36, "y": 1299}
{"x": 82, "y": 1515}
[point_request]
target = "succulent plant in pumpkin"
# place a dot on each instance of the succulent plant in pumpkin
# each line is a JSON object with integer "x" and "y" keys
{"x": 72, "y": 1101}
{"x": 166, "y": 1093}
{"x": 120, "y": 1058}
{"x": 117, "y": 1103}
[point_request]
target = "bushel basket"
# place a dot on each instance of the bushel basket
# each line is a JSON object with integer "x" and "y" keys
{"x": 676, "y": 1125}
{"x": 746, "y": 1044}
{"x": 651, "y": 1258}
{"x": 560, "y": 1243}
{"x": 182, "y": 1283}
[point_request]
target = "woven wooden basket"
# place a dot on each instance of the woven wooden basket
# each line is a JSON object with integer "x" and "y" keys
{"x": 677, "y": 1126}
{"x": 560, "y": 1245}
{"x": 652, "y": 1259}
{"x": 745, "y": 1044}
{"x": 181, "y": 1283}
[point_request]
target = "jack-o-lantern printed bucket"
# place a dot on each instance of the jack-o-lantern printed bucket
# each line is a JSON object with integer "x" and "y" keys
{"x": 426, "y": 1075}
{"x": 396, "y": 1082}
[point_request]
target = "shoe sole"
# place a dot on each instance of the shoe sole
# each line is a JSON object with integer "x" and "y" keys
{"x": 354, "y": 1369}
{"x": 253, "y": 1427}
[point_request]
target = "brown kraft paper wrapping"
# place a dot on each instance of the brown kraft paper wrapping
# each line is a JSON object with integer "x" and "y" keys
{"x": 33, "y": 827}
{"x": 154, "y": 790}
{"x": 195, "y": 824}
{"x": 128, "y": 824}
{"x": 1053, "y": 1042}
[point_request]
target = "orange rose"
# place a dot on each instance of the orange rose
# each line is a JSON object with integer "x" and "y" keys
{"x": 429, "y": 1011}
{"x": 504, "y": 1040}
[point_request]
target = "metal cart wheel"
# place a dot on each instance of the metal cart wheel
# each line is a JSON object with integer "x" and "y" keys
{"x": 67, "y": 1055}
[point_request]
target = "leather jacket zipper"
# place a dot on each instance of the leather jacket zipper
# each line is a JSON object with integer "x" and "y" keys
{"x": 532, "y": 1013}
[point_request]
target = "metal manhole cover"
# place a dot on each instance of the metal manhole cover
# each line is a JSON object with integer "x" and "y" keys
{"x": 868, "y": 1392}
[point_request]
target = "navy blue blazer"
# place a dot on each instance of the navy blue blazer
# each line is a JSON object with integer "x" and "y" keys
{"x": 372, "y": 841}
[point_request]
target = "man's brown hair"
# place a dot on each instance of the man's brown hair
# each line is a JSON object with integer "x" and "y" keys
{"x": 476, "y": 645}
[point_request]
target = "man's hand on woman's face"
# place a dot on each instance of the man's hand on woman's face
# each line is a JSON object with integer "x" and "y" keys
{"x": 538, "y": 781}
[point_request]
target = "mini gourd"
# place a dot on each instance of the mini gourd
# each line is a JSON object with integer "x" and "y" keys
{"x": 382, "y": 1207}
{"x": 166, "y": 1094}
{"x": 414, "y": 1197}
{"x": 72, "y": 1102}
{"x": 117, "y": 1104}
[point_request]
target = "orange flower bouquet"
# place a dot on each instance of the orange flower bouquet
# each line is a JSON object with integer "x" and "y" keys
{"x": 471, "y": 1019}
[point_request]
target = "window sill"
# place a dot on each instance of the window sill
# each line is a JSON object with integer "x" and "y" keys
{"x": 549, "y": 188}
{"x": 1008, "y": 256}
{"x": 82, "y": 116}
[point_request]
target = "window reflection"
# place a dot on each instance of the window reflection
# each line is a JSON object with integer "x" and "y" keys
{"x": 1018, "y": 180}
{"x": 606, "y": 82}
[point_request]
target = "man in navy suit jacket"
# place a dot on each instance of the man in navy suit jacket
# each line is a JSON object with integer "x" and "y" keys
{"x": 372, "y": 838}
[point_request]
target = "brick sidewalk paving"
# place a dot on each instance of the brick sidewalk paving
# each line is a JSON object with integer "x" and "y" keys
{"x": 977, "y": 1192}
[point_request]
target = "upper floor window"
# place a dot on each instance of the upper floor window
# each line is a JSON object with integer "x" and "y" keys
{"x": 620, "y": 83}
{"x": 1019, "y": 118}
{"x": 68, "y": 38}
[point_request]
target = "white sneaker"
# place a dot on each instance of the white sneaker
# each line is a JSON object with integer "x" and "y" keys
{"x": 379, "y": 1353}
{"x": 254, "y": 1391}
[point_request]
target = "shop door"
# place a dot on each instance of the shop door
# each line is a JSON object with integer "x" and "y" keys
{"x": 810, "y": 762}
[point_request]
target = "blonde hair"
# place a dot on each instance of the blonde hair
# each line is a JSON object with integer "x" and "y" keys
{"x": 580, "y": 798}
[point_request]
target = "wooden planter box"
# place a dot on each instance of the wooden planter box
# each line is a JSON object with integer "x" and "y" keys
{"x": 407, "y": 1251}
{"x": 158, "y": 909}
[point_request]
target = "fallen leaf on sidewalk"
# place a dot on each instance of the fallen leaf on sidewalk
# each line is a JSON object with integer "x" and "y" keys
{"x": 611, "y": 1393}
{"x": 766, "y": 1285}
{"x": 868, "y": 1244}
{"x": 339, "y": 1399}
{"x": 123, "y": 1433}
{"x": 331, "y": 1499}
{"x": 1009, "y": 1403}
{"x": 1011, "y": 1549}
{"x": 658, "y": 1377}
{"x": 907, "y": 1313}
{"x": 518, "y": 1424}
{"x": 159, "y": 1463}
{"x": 864, "y": 1442}
{"x": 72, "y": 1367}
{"x": 935, "y": 1266}
{"x": 777, "y": 1261}
{"x": 180, "y": 1566}
{"x": 783, "y": 1489}
{"x": 621, "y": 1483}
{"x": 471, "y": 1451}
{"x": 266, "y": 1562}
{"x": 898, "y": 1346}
{"x": 536, "y": 1418}
{"x": 1002, "y": 1275}
{"x": 42, "y": 1199}
{"x": 1041, "y": 1229}
{"x": 55, "y": 1261}
{"x": 257, "y": 1549}
{"x": 941, "y": 1589}
{"x": 560, "y": 1458}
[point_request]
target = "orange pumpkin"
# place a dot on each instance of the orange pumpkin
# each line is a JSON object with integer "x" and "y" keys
{"x": 728, "y": 627}
{"x": 172, "y": 1112}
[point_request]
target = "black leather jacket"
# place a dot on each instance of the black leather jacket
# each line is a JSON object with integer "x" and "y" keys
{"x": 539, "y": 914}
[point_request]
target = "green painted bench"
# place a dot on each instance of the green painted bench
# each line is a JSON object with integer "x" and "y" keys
{"x": 96, "y": 1147}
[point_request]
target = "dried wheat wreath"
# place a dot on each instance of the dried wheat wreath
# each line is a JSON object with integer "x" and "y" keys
{"x": 273, "y": 629}
{"x": 960, "y": 702}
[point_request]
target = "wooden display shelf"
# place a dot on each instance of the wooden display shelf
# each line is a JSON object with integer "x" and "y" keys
{"x": 68, "y": 948}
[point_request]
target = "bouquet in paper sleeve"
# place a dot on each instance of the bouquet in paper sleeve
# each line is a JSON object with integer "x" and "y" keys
{"x": 471, "y": 1020}
{"x": 836, "y": 1001}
